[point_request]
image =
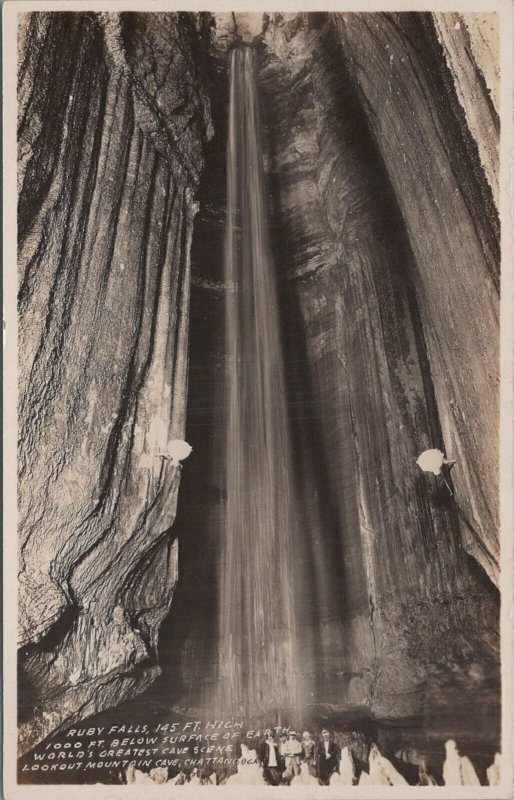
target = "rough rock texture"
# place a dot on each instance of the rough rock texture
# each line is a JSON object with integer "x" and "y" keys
{"x": 470, "y": 43}
{"x": 112, "y": 121}
{"x": 399, "y": 623}
{"x": 393, "y": 288}
{"x": 382, "y": 183}
{"x": 231, "y": 27}
{"x": 455, "y": 244}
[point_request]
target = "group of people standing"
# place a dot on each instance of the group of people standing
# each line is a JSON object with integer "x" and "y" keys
{"x": 286, "y": 758}
{"x": 281, "y": 757}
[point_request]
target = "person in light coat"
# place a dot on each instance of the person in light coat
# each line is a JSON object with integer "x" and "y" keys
{"x": 309, "y": 753}
{"x": 292, "y": 752}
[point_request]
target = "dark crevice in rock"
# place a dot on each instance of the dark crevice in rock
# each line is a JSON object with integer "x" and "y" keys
{"x": 116, "y": 124}
{"x": 105, "y": 215}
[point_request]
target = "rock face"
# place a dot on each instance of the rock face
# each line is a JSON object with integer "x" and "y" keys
{"x": 415, "y": 141}
{"x": 386, "y": 237}
{"x": 381, "y": 158}
{"x": 454, "y": 244}
{"x": 399, "y": 618}
{"x": 110, "y": 155}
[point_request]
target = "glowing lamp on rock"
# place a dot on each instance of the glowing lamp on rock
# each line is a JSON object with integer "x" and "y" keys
{"x": 431, "y": 461}
{"x": 178, "y": 450}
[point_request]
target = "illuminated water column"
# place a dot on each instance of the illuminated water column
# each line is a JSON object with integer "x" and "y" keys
{"x": 257, "y": 576}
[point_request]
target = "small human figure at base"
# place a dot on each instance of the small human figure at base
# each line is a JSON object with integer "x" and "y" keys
{"x": 292, "y": 755}
{"x": 309, "y": 752}
{"x": 328, "y": 758}
{"x": 269, "y": 759}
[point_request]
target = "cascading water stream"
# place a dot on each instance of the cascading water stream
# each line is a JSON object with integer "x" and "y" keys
{"x": 257, "y": 626}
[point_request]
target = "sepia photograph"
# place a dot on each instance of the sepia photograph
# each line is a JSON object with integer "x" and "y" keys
{"x": 258, "y": 444}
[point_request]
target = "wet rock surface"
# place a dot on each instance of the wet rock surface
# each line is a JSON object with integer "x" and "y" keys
{"x": 386, "y": 242}
{"x": 107, "y": 177}
{"x": 399, "y": 620}
{"x": 388, "y": 361}
{"x": 424, "y": 140}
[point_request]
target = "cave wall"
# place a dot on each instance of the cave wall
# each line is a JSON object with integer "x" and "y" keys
{"x": 112, "y": 122}
{"x": 425, "y": 138}
{"x": 394, "y": 285}
{"x": 379, "y": 198}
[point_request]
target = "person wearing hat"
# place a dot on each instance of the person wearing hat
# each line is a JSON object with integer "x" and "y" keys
{"x": 292, "y": 755}
{"x": 270, "y": 759}
{"x": 309, "y": 752}
{"x": 328, "y": 758}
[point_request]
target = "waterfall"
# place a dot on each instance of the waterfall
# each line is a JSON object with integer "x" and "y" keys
{"x": 257, "y": 585}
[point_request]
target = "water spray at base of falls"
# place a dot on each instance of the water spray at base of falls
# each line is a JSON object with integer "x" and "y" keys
{"x": 257, "y": 626}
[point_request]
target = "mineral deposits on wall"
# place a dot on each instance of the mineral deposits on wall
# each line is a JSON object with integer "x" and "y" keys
{"x": 110, "y": 155}
{"x": 381, "y": 158}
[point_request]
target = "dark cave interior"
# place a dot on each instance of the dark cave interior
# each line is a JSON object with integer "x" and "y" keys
{"x": 399, "y": 620}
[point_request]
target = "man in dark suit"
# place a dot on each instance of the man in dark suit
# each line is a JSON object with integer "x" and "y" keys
{"x": 327, "y": 757}
{"x": 269, "y": 759}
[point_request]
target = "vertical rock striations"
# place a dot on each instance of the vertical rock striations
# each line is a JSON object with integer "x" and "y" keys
{"x": 444, "y": 183}
{"x": 382, "y": 164}
{"x": 391, "y": 282}
{"x": 112, "y": 121}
